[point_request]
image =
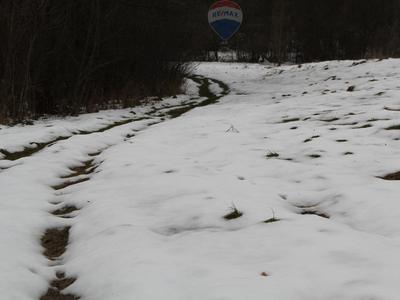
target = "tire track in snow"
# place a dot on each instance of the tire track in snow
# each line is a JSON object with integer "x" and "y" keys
{"x": 169, "y": 112}
{"x": 55, "y": 239}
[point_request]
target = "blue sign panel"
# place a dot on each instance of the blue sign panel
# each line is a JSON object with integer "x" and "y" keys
{"x": 225, "y": 18}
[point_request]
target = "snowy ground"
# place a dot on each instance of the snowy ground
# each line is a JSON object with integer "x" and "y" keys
{"x": 290, "y": 143}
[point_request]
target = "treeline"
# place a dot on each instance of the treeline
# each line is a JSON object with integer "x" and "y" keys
{"x": 317, "y": 30}
{"x": 68, "y": 57}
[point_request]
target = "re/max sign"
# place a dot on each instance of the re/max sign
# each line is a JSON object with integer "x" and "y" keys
{"x": 225, "y": 13}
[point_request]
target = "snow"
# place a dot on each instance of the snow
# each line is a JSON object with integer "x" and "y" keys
{"x": 150, "y": 221}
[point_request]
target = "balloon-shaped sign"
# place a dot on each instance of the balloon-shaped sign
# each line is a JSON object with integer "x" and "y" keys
{"x": 225, "y": 18}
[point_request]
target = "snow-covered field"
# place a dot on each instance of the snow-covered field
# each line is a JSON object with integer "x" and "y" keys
{"x": 294, "y": 145}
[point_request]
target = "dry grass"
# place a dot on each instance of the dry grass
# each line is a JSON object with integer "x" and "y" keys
{"x": 234, "y": 214}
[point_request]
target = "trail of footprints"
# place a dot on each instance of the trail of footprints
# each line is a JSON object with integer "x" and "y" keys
{"x": 55, "y": 240}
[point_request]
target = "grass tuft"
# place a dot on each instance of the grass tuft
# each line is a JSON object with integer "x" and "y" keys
{"x": 272, "y": 154}
{"x": 234, "y": 214}
{"x": 271, "y": 220}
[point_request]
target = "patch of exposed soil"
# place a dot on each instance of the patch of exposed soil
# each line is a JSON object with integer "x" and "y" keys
{"x": 95, "y": 153}
{"x": 394, "y": 127}
{"x": 331, "y": 120}
{"x": 290, "y": 120}
{"x": 64, "y": 211}
{"x": 364, "y": 126}
{"x": 55, "y": 294}
{"x": 68, "y": 183}
{"x": 62, "y": 283}
{"x": 271, "y": 220}
{"x": 393, "y": 176}
{"x": 86, "y": 169}
{"x": 311, "y": 212}
{"x": 55, "y": 242}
